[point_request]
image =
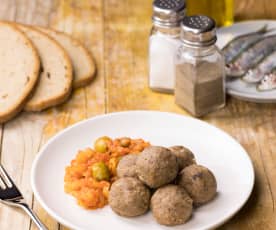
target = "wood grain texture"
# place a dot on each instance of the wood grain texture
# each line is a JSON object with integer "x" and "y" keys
{"x": 23, "y": 137}
{"x": 21, "y": 141}
{"x": 255, "y": 9}
{"x": 253, "y": 126}
{"x": 8, "y": 9}
{"x": 116, "y": 32}
{"x": 32, "y": 130}
{"x": 127, "y": 28}
{"x": 83, "y": 20}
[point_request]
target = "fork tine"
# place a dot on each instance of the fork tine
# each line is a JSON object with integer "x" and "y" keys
{"x": 10, "y": 192}
{"x": 2, "y": 184}
{"x": 5, "y": 177}
{"x": 11, "y": 195}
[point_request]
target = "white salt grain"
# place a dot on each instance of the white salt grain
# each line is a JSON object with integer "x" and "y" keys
{"x": 161, "y": 62}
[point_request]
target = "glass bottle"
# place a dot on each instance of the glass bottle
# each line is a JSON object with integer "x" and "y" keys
{"x": 200, "y": 74}
{"x": 163, "y": 43}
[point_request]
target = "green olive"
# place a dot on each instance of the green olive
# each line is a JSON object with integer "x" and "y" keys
{"x": 100, "y": 171}
{"x": 101, "y": 144}
{"x": 125, "y": 142}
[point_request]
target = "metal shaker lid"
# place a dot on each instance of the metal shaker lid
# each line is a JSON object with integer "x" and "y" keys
{"x": 198, "y": 30}
{"x": 168, "y": 13}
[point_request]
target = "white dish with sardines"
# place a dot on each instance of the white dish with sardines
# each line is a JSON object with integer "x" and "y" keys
{"x": 249, "y": 50}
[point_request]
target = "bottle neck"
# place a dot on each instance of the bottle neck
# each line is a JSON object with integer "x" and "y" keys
{"x": 200, "y": 51}
{"x": 173, "y": 31}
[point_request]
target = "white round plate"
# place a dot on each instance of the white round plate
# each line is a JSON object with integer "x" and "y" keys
{"x": 238, "y": 88}
{"x": 212, "y": 147}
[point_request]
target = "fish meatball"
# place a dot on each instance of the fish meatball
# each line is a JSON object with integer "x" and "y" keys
{"x": 127, "y": 166}
{"x": 184, "y": 156}
{"x": 156, "y": 166}
{"x": 199, "y": 182}
{"x": 129, "y": 197}
{"x": 171, "y": 205}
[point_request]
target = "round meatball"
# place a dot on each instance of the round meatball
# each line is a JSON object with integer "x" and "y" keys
{"x": 129, "y": 197}
{"x": 184, "y": 156}
{"x": 171, "y": 205}
{"x": 199, "y": 182}
{"x": 156, "y": 166}
{"x": 127, "y": 166}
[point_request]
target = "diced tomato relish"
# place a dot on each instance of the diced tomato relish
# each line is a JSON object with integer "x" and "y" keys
{"x": 79, "y": 181}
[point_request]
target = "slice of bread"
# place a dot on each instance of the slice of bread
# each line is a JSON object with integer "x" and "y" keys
{"x": 19, "y": 70}
{"x": 56, "y": 77}
{"x": 83, "y": 64}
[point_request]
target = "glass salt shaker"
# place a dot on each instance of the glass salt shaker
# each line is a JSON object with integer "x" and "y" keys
{"x": 199, "y": 67}
{"x": 164, "y": 41}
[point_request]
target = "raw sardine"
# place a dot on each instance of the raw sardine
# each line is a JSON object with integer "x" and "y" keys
{"x": 238, "y": 44}
{"x": 251, "y": 57}
{"x": 265, "y": 67}
{"x": 268, "y": 82}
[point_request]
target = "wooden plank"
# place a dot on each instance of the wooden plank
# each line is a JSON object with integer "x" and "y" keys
{"x": 127, "y": 28}
{"x": 82, "y": 19}
{"x": 7, "y": 10}
{"x": 244, "y": 121}
{"x": 34, "y": 12}
{"x": 122, "y": 42}
{"x": 66, "y": 16}
{"x": 22, "y": 139}
{"x": 11, "y": 218}
{"x": 254, "y": 9}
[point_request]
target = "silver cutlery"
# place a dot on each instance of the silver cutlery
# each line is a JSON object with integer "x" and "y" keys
{"x": 10, "y": 195}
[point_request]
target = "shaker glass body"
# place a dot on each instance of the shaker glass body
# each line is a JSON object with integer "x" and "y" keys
{"x": 163, "y": 44}
{"x": 200, "y": 76}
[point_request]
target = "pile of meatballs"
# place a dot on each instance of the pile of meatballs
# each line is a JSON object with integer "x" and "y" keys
{"x": 166, "y": 180}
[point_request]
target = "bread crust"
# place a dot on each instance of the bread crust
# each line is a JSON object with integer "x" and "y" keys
{"x": 62, "y": 96}
{"x": 81, "y": 80}
{"x": 34, "y": 75}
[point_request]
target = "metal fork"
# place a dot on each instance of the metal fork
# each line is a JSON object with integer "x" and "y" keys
{"x": 10, "y": 195}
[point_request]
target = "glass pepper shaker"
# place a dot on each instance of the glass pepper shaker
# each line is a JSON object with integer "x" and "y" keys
{"x": 163, "y": 43}
{"x": 199, "y": 67}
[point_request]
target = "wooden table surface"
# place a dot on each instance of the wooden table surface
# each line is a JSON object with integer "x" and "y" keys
{"x": 116, "y": 32}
